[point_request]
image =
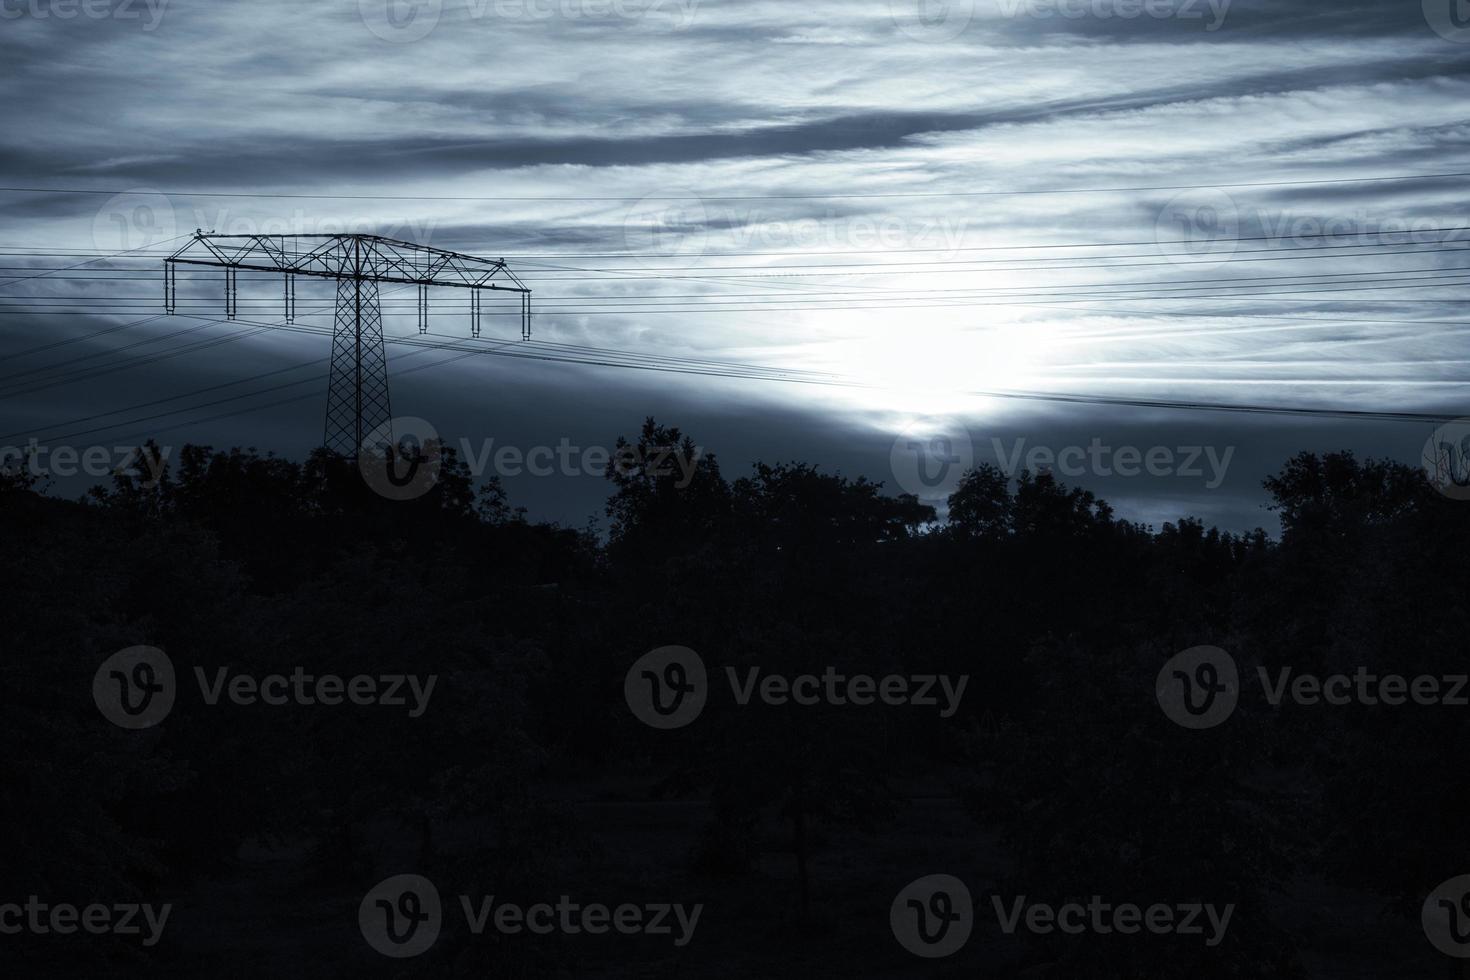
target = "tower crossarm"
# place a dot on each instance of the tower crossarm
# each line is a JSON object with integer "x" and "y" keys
{"x": 359, "y": 413}
{"x": 349, "y": 257}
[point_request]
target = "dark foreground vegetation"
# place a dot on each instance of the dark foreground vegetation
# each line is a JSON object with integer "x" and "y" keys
{"x": 528, "y": 777}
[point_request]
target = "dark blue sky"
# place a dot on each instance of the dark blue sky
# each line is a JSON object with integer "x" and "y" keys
{"x": 907, "y": 197}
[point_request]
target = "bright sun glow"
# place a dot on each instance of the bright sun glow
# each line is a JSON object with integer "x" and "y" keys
{"x": 941, "y": 369}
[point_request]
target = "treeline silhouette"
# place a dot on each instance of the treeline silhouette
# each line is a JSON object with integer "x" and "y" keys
{"x": 521, "y": 777}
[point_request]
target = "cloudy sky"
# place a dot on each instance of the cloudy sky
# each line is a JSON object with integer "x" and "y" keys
{"x": 827, "y": 231}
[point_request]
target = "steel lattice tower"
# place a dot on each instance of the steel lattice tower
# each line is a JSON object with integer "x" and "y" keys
{"x": 357, "y": 394}
{"x": 358, "y": 407}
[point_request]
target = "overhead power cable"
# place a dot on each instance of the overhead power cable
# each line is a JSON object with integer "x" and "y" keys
{"x": 843, "y": 194}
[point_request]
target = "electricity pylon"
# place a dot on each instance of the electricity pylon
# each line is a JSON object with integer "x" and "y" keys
{"x": 357, "y": 393}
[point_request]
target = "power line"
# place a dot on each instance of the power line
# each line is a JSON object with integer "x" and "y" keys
{"x": 110, "y": 255}
{"x": 1285, "y": 292}
{"x": 746, "y": 197}
{"x": 901, "y": 295}
{"x": 734, "y": 367}
{"x": 1171, "y": 283}
{"x": 89, "y": 373}
{"x": 1057, "y": 397}
{"x": 673, "y": 361}
{"x": 1101, "y": 262}
{"x": 29, "y": 251}
{"x": 651, "y": 363}
{"x": 86, "y": 336}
